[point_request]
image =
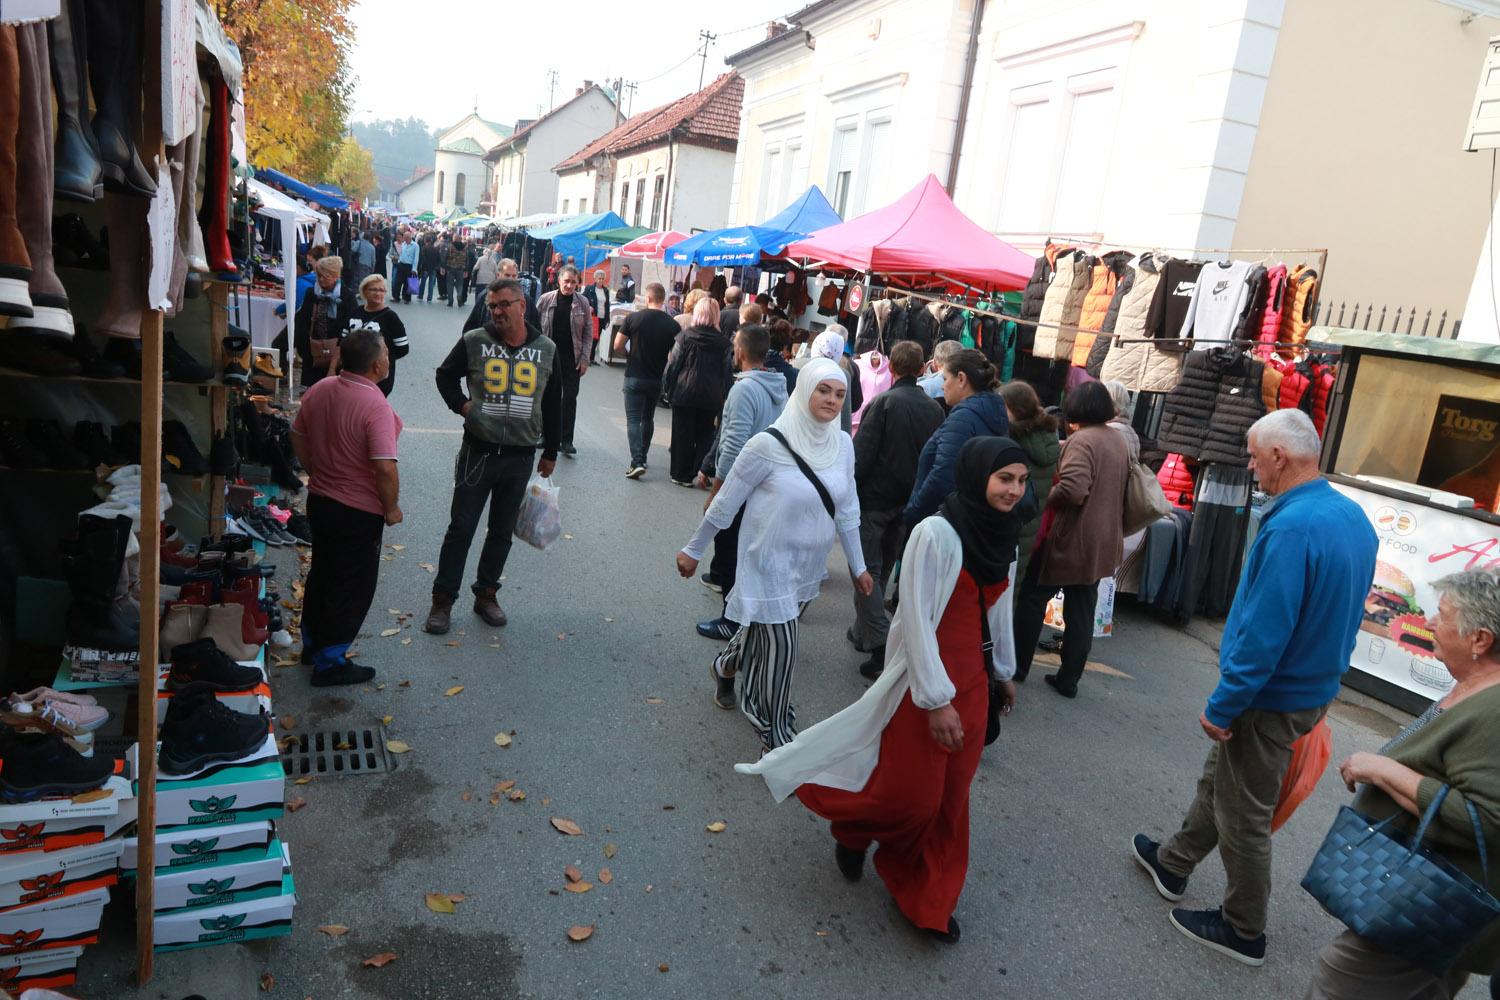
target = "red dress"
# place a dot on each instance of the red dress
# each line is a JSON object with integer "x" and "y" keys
{"x": 916, "y": 803}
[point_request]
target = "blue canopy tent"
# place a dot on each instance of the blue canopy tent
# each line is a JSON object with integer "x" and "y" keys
{"x": 301, "y": 190}
{"x": 570, "y": 237}
{"x": 742, "y": 246}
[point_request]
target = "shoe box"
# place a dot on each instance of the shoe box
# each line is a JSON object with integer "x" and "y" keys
{"x": 81, "y": 665}
{"x": 216, "y": 884}
{"x": 39, "y": 875}
{"x": 191, "y": 846}
{"x": 23, "y": 834}
{"x": 61, "y": 922}
{"x": 243, "y": 921}
{"x": 52, "y": 969}
{"x": 249, "y": 701}
{"x": 232, "y": 794}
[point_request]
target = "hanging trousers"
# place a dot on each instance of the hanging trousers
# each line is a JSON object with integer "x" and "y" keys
{"x": 341, "y": 578}
{"x": 766, "y": 655}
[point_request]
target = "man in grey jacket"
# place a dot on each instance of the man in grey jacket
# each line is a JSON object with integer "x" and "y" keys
{"x": 754, "y": 401}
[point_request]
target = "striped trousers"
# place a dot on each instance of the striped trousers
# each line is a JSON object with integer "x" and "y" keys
{"x": 765, "y": 656}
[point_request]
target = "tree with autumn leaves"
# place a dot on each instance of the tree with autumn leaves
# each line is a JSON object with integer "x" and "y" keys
{"x": 297, "y": 88}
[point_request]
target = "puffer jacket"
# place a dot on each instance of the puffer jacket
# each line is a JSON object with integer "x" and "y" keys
{"x": 982, "y": 414}
{"x": 1140, "y": 365}
{"x": 1057, "y": 327}
{"x": 1039, "y": 441}
{"x": 921, "y": 325}
{"x": 700, "y": 371}
{"x": 1176, "y": 482}
{"x": 1294, "y": 384}
{"x": 1297, "y": 307}
{"x": 1095, "y": 362}
{"x": 1036, "y": 293}
{"x": 1247, "y": 327}
{"x": 1270, "y": 387}
{"x": 1104, "y": 286}
{"x": 1271, "y": 309}
{"x": 895, "y": 323}
{"x": 1210, "y": 412}
{"x": 1315, "y": 402}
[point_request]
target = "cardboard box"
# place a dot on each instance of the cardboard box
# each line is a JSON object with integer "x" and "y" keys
{"x": 20, "y": 836}
{"x": 64, "y": 922}
{"x": 38, "y": 875}
{"x": 268, "y": 750}
{"x": 53, "y": 969}
{"x": 215, "y": 885}
{"x": 65, "y": 808}
{"x": 193, "y": 846}
{"x": 237, "y": 794}
{"x": 247, "y": 921}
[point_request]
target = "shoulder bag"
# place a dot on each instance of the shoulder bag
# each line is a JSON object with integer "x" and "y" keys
{"x": 986, "y": 652}
{"x": 1145, "y": 502}
{"x": 807, "y": 471}
{"x": 1404, "y": 897}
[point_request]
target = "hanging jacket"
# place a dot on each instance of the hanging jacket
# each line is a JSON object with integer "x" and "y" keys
{"x": 1270, "y": 387}
{"x": 1271, "y": 308}
{"x": 1094, "y": 364}
{"x": 1322, "y": 390}
{"x": 1132, "y": 358}
{"x": 1104, "y": 280}
{"x": 1174, "y": 296}
{"x": 1176, "y": 482}
{"x": 1209, "y": 414}
{"x": 1035, "y": 293}
{"x": 1294, "y": 384}
{"x": 1057, "y": 327}
{"x": 1247, "y": 327}
{"x": 951, "y": 323}
{"x": 875, "y": 377}
{"x": 895, "y": 324}
{"x": 921, "y": 325}
{"x": 1296, "y": 316}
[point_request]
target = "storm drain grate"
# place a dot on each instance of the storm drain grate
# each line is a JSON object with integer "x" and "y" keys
{"x": 334, "y": 752}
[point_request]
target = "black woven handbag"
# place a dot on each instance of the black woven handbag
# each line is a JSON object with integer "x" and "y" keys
{"x": 1404, "y": 897}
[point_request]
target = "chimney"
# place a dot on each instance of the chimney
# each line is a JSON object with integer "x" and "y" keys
{"x": 578, "y": 92}
{"x": 774, "y": 28}
{"x": 586, "y": 85}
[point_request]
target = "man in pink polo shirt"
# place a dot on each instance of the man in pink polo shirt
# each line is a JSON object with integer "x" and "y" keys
{"x": 345, "y": 437}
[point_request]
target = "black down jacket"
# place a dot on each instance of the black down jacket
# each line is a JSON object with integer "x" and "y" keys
{"x": 1031, "y": 300}
{"x": 700, "y": 369}
{"x": 1210, "y": 412}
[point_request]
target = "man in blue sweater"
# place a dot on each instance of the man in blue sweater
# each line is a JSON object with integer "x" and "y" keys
{"x": 1285, "y": 647}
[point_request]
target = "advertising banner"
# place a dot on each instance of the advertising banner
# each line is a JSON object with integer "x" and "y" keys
{"x": 1417, "y": 546}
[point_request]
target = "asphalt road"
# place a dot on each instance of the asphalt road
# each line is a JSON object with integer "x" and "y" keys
{"x": 603, "y": 682}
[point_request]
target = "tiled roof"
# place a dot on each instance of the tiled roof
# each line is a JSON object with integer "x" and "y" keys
{"x": 521, "y": 133}
{"x": 710, "y": 117}
{"x": 464, "y": 145}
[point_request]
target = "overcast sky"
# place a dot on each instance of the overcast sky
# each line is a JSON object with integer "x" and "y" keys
{"x": 433, "y": 59}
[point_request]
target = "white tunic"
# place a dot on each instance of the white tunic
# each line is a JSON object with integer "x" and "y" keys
{"x": 786, "y": 534}
{"x": 842, "y": 750}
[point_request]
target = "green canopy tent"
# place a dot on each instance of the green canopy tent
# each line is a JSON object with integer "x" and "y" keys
{"x": 426, "y": 217}
{"x": 617, "y": 237}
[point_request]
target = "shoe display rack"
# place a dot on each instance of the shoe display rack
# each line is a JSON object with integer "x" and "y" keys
{"x": 118, "y": 259}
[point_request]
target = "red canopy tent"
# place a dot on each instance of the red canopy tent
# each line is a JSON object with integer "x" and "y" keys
{"x": 920, "y": 237}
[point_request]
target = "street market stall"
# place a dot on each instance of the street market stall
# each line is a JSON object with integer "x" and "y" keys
{"x": 570, "y": 237}
{"x": 745, "y": 246}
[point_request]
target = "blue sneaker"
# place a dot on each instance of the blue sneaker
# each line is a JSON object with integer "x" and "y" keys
{"x": 1170, "y": 886}
{"x": 1208, "y": 927}
{"x": 720, "y": 628}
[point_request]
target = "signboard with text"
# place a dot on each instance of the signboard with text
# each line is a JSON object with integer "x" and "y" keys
{"x": 1418, "y": 545}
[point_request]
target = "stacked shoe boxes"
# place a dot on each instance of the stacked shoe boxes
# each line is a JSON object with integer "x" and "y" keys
{"x": 58, "y": 859}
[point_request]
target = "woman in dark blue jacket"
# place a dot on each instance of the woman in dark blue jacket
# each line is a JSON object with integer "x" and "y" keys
{"x": 975, "y": 410}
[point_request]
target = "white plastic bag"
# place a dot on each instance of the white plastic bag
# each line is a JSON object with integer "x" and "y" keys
{"x": 1104, "y": 610}
{"x": 539, "y": 521}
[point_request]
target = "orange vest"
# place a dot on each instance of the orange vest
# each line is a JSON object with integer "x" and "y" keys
{"x": 1297, "y": 307}
{"x": 1095, "y": 308}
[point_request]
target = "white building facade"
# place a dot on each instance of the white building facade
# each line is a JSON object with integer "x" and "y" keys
{"x": 523, "y": 180}
{"x": 460, "y": 178}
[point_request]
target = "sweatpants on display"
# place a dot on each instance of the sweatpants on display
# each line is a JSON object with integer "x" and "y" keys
{"x": 341, "y": 577}
{"x": 765, "y": 657}
{"x": 498, "y": 479}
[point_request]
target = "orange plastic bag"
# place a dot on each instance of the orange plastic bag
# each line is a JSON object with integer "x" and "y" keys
{"x": 1309, "y": 760}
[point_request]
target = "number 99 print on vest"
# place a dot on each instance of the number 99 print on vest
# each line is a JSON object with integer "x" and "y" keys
{"x": 506, "y": 385}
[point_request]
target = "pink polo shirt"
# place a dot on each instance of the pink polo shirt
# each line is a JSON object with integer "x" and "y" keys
{"x": 346, "y": 422}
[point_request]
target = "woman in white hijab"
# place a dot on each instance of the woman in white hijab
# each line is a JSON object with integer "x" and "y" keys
{"x": 787, "y": 532}
{"x": 830, "y": 344}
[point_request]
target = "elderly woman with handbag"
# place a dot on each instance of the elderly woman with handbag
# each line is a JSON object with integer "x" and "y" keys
{"x": 1448, "y": 758}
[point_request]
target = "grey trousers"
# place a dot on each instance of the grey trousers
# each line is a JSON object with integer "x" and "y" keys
{"x": 1232, "y": 811}
{"x": 1351, "y": 968}
{"x": 882, "y": 534}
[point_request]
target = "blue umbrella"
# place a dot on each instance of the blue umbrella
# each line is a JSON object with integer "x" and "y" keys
{"x": 739, "y": 246}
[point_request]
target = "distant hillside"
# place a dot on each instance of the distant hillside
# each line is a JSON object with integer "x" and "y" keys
{"x": 399, "y": 145}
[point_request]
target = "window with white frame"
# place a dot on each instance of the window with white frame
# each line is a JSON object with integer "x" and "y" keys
{"x": 857, "y": 159}
{"x": 778, "y": 176}
{"x": 583, "y": 204}
{"x": 843, "y": 156}
{"x": 640, "y": 199}
{"x": 658, "y": 189}
{"x": 566, "y": 203}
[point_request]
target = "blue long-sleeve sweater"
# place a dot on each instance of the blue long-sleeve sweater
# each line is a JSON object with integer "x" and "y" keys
{"x": 981, "y": 415}
{"x": 1299, "y": 604}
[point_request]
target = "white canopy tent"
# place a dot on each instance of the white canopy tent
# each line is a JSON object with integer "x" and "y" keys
{"x": 295, "y": 218}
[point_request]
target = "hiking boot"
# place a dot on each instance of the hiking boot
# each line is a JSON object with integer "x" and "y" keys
{"x": 723, "y": 689}
{"x": 202, "y": 662}
{"x": 200, "y": 730}
{"x": 265, "y": 364}
{"x": 35, "y": 766}
{"x": 346, "y": 672}
{"x": 1209, "y": 928}
{"x": 223, "y": 460}
{"x": 487, "y": 608}
{"x": 1144, "y": 849}
{"x": 180, "y": 452}
{"x": 236, "y": 359}
{"x": 440, "y": 616}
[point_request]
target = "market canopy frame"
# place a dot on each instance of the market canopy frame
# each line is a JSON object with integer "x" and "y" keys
{"x": 742, "y": 246}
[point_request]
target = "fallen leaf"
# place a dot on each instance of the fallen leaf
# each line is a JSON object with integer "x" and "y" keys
{"x": 663, "y": 967}
{"x": 452, "y": 642}
{"x": 502, "y": 739}
{"x": 494, "y": 645}
{"x": 386, "y": 720}
{"x": 438, "y": 902}
{"x": 399, "y": 548}
{"x": 397, "y": 746}
{"x": 546, "y": 802}
{"x": 303, "y": 781}
{"x": 567, "y": 826}
{"x": 580, "y": 932}
{"x": 573, "y": 874}
{"x": 506, "y": 785}
{"x": 517, "y": 796}
{"x": 393, "y": 611}
{"x": 404, "y": 684}
{"x": 578, "y": 887}
{"x": 606, "y": 876}
{"x": 718, "y": 826}
{"x": 821, "y": 933}
{"x": 381, "y": 687}
{"x": 334, "y": 930}
{"x": 386, "y": 633}
{"x": 267, "y": 982}
{"x": 467, "y": 795}
{"x": 341, "y": 745}
{"x": 457, "y": 897}
{"x": 292, "y": 805}
{"x": 404, "y": 642}
{"x": 288, "y": 721}
{"x": 285, "y": 661}
{"x": 494, "y": 798}
{"x": 610, "y": 850}
{"x": 656, "y": 701}
{"x": 93, "y": 795}
{"x": 386, "y": 558}
{"x": 455, "y": 689}
{"x": 381, "y": 960}
{"x": 429, "y": 567}
{"x": 561, "y": 637}
{"x": 286, "y": 742}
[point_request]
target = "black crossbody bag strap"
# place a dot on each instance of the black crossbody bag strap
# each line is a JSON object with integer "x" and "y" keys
{"x": 807, "y": 471}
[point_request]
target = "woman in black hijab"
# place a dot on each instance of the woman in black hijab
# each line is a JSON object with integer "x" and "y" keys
{"x": 895, "y": 767}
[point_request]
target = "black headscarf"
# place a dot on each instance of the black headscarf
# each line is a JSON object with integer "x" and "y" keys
{"x": 988, "y": 535}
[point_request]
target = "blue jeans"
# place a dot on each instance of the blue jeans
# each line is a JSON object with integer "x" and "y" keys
{"x": 427, "y": 286}
{"x": 640, "y": 416}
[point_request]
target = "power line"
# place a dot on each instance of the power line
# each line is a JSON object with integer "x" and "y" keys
{"x": 707, "y": 39}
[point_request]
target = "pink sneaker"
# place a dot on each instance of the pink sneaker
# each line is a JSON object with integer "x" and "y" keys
{"x": 281, "y": 516}
{"x": 42, "y": 694}
{"x": 72, "y": 719}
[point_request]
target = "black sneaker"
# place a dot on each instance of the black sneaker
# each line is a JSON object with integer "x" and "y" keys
{"x": 180, "y": 366}
{"x": 720, "y": 628}
{"x": 17, "y": 449}
{"x": 38, "y": 354}
{"x": 347, "y": 672}
{"x": 90, "y": 438}
{"x": 124, "y": 353}
{"x": 1209, "y": 928}
{"x": 1143, "y": 849}
{"x": 298, "y": 527}
{"x": 35, "y": 766}
{"x": 61, "y": 454}
{"x": 712, "y": 584}
{"x": 223, "y": 460}
{"x": 203, "y": 662}
{"x": 723, "y": 689}
{"x": 200, "y": 730}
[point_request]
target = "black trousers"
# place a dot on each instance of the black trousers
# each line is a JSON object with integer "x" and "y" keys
{"x": 341, "y": 578}
{"x": 570, "y": 380}
{"x": 399, "y": 290}
{"x": 1079, "y": 601}
{"x": 692, "y": 436}
{"x": 498, "y": 480}
{"x": 726, "y": 558}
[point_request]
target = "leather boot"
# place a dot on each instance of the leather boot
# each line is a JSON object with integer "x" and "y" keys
{"x": 49, "y": 300}
{"x": 226, "y": 627}
{"x": 439, "y": 617}
{"x": 115, "y": 33}
{"x": 182, "y": 624}
{"x": 15, "y": 263}
{"x": 487, "y": 608}
{"x": 77, "y": 170}
{"x": 93, "y": 565}
{"x": 121, "y": 316}
{"x": 215, "y": 214}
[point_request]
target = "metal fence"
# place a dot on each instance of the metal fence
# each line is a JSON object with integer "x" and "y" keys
{"x": 1404, "y": 319}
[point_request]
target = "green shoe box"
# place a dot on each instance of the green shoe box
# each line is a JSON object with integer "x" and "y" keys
{"x": 190, "y": 846}
{"x": 215, "y": 885}
{"x": 200, "y": 927}
{"x": 231, "y": 795}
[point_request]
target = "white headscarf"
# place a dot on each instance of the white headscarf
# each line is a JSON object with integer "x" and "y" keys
{"x": 818, "y": 443}
{"x": 828, "y": 344}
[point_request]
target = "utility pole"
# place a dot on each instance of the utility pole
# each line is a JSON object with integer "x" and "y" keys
{"x": 551, "y": 88}
{"x": 707, "y": 39}
{"x": 630, "y": 86}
